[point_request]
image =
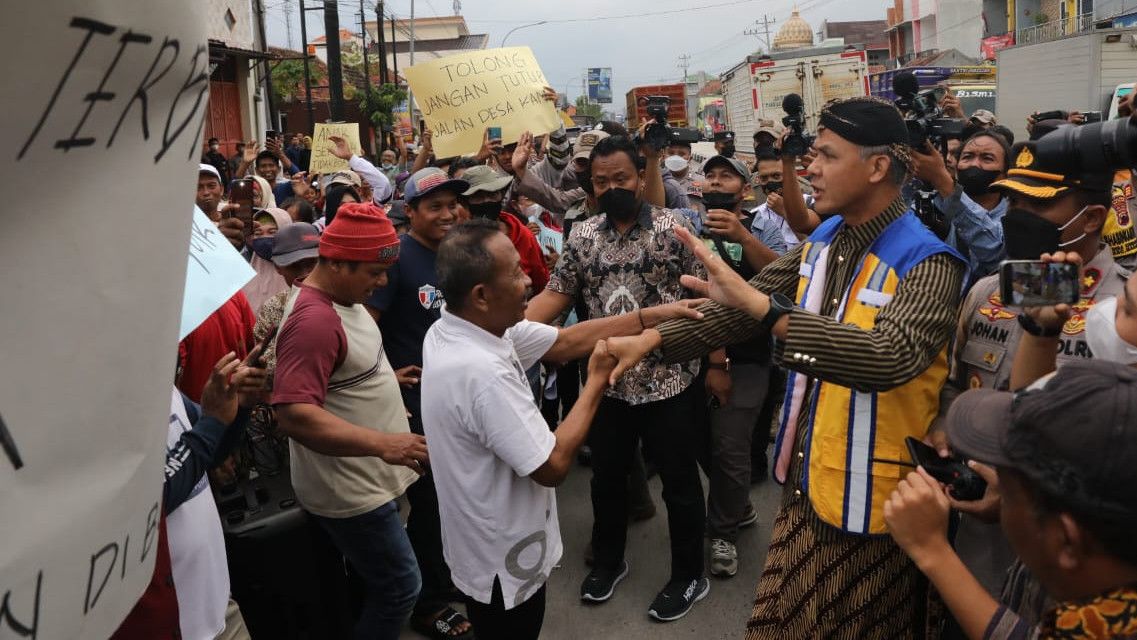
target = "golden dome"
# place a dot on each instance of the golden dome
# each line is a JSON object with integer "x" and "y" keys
{"x": 794, "y": 34}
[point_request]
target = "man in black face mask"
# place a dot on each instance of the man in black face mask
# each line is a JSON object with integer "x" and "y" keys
{"x": 625, "y": 258}
{"x": 972, "y": 209}
{"x": 1049, "y": 210}
{"x": 485, "y": 199}
{"x": 724, "y": 143}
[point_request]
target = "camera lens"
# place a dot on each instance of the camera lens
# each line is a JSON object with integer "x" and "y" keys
{"x": 1099, "y": 147}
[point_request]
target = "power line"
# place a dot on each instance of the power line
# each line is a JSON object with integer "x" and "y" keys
{"x": 627, "y": 15}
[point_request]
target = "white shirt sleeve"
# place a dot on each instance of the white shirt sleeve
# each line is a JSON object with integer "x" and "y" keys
{"x": 380, "y": 186}
{"x": 508, "y": 423}
{"x": 531, "y": 341}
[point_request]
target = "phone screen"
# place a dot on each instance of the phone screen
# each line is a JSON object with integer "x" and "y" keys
{"x": 495, "y": 133}
{"x": 1031, "y": 283}
{"x": 241, "y": 194}
{"x": 921, "y": 453}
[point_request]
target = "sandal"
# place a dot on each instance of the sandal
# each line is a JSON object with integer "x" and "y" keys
{"x": 439, "y": 627}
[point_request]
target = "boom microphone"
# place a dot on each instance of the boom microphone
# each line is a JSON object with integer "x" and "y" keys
{"x": 905, "y": 85}
{"x": 792, "y": 103}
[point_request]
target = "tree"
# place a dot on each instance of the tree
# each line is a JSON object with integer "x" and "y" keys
{"x": 585, "y": 108}
{"x": 379, "y": 106}
{"x": 288, "y": 78}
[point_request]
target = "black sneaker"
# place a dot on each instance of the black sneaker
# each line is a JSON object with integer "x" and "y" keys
{"x": 677, "y": 598}
{"x": 600, "y": 583}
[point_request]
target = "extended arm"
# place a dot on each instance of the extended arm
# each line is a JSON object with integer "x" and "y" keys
{"x": 380, "y": 186}
{"x": 324, "y": 432}
{"x": 800, "y": 218}
{"x": 571, "y": 433}
{"x": 975, "y": 227}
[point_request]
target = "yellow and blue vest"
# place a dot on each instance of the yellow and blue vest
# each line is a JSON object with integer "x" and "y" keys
{"x": 847, "y": 429}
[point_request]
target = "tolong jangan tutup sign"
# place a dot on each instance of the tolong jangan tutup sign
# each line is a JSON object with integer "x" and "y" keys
{"x": 461, "y": 96}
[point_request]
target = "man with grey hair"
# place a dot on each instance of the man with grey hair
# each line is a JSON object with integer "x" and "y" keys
{"x": 864, "y": 338}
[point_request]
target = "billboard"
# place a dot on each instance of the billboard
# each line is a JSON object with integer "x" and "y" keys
{"x": 600, "y": 84}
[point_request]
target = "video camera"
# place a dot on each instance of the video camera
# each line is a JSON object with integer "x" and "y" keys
{"x": 1097, "y": 147}
{"x": 797, "y": 143}
{"x": 923, "y": 115}
{"x": 657, "y": 134}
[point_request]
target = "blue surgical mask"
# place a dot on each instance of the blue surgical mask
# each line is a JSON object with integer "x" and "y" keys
{"x": 262, "y": 247}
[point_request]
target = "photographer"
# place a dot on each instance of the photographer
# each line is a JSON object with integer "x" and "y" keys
{"x": 989, "y": 332}
{"x": 737, "y": 384}
{"x": 971, "y": 209}
{"x": 1067, "y": 504}
{"x": 724, "y": 143}
{"x": 769, "y": 218}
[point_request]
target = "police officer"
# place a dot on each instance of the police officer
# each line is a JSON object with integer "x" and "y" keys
{"x": 678, "y": 163}
{"x": 724, "y": 143}
{"x": 1049, "y": 209}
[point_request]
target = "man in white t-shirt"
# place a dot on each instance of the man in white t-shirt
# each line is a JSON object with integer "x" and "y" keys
{"x": 494, "y": 460}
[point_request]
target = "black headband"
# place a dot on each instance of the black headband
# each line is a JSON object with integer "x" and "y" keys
{"x": 866, "y": 121}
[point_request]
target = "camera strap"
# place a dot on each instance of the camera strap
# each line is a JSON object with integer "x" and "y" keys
{"x": 725, "y": 255}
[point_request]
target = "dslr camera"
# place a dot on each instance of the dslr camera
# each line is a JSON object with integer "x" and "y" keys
{"x": 923, "y": 115}
{"x": 796, "y": 143}
{"x": 657, "y": 134}
{"x": 1097, "y": 147}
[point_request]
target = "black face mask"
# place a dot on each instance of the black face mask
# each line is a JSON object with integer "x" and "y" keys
{"x": 487, "y": 210}
{"x": 773, "y": 186}
{"x": 1028, "y": 236}
{"x": 619, "y": 204}
{"x": 976, "y": 181}
{"x": 717, "y": 200}
{"x": 727, "y": 150}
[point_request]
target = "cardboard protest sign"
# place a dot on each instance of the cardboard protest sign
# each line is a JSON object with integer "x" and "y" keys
{"x": 89, "y": 331}
{"x": 323, "y": 162}
{"x": 215, "y": 272}
{"x": 461, "y": 95}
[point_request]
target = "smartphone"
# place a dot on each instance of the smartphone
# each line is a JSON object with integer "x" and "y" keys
{"x": 1051, "y": 115}
{"x": 271, "y": 134}
{"x": 241, "y": 193}
{"x": 421, "y": 127}
{"x": 495, "y": 133}
{"x": 1032, "y": 283}
{"x": 1091, "y": 116}
{"x": 963, "y": 482}
{"x": 256, "y": 357}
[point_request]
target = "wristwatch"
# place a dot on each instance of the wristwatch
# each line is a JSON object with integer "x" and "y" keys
{"x": 780, "y": 305}
{"x": 1033, "y": 328}
{"x": 720, "y": 366}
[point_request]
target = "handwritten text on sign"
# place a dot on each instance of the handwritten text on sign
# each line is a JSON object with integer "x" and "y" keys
{"x": 461, "y": 95}
{"x": 323, "y": 162}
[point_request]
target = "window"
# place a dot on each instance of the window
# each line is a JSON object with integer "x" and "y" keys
{"x": 230, "y": 19}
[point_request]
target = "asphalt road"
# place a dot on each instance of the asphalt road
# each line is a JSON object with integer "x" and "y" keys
{"x": 722, "y": 614}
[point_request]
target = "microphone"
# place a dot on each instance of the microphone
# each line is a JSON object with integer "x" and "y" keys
{"x": 792, "y": 103}
{"x": 905, "y": 85}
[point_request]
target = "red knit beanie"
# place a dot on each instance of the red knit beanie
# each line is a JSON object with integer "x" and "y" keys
{"x": 360, "y": 232}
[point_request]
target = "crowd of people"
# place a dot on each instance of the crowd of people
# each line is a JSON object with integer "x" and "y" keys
{"x": 463, "y": 331}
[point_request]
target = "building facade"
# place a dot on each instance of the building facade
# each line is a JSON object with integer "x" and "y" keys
{"x": 238, "y": 101}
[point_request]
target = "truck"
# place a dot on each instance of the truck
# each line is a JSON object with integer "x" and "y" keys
{"x": 637, "y": 111}
{"x": 753, "y": 89}
{"x": 974, "y": 85}
{"x": 1081, "y": 72}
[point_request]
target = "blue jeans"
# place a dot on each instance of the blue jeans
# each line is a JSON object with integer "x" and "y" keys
{"x": 378, "y": 548}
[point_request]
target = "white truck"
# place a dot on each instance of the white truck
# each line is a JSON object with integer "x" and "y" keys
{"x": 753, "y": 90}
{"x": 1082, "y": 72}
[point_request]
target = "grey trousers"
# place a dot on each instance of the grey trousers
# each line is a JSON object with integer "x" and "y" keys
{"x": 732, "y": 430}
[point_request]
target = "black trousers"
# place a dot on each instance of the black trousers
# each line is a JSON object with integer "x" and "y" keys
{"x": 492, "y": 622}
{"x": 424, "y": 528}
{"x": 670, "y": 437}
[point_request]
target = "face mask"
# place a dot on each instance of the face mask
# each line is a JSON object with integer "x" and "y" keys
{"x": 387, "y": 166}
{"x": 773, "y": 186}
{"x": 716, "y": 200}
{"x": 727, "y": 150}
{"x": 262, "y": 247}
{"x": 1101, "y": 334}
{"x": 533, "y": 211}
{"x": 618, "y": 203}
{"x": 976, "y": 181}
{"x": 1028, "y": 236}
{"x": 487, "y": 210}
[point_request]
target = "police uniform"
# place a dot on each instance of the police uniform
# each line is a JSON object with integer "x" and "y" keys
{"x": 987, "y": 338}
{"x": 1118, "y": 232}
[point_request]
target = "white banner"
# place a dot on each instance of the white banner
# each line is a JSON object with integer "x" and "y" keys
{"x": 103, "y": 107}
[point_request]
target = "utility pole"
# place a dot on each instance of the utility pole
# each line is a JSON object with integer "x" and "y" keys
{"x": 307, "y": 74}
{"x": 765, "y": 23}
{"x": 335, "y": 64}
{"x": 394, "y": 49}
{"x": 410, "y": 94}
{"x": 369, "y": 128}
{"x": 684, "y": 64}
{"x": 288, "y": 21}
{"x": 382, "y": 51}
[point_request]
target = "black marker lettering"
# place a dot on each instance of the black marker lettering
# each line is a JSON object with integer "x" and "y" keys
{"x": 6, "y": 617}
{"x": 194, "y": 78}
{"x": 151, "y": 527}
{"x": 93, "y": 27}
{"x": 89, "y": 602}
{"x": 100, "y": 94}
{"x": 146, "y": 85}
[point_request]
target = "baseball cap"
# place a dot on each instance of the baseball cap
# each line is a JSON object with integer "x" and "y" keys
{"x": 984, "y": 116}
{"x": 349, "y": 178}
{"x": 484, "y": 178}
{"x": 1043, "y": 176}
{"x": 723, "y": 136}
{"x": 586, "y": 142}
{"x": 426, "y": 181}
{"x": 1077, "y": 429}
{"x": 772, "y": 127}
{"x": 735, "y": 165}
{"x": 295, "y": 242}
{"x": 208, "y": 168}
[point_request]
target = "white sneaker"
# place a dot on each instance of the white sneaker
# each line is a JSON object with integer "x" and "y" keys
{"x": 724, "y": 558}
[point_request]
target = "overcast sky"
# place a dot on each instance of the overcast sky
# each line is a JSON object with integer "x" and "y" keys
{"x": 641, "y": 50}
